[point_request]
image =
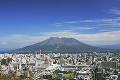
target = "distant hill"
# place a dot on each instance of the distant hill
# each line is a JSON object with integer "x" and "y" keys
{"x": 4, "y": 49}
{"x": 115, "y": 46}
{"x": 55, "y": 44}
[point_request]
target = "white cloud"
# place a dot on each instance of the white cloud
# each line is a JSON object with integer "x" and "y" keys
{"x": 72, "y": 22}
{"x": 57, "y": 24}
{"x": 18, "y": 40}
{"x": 83, "y": 28}
{"x": 105, "y": 21}
{"x": 115, "y": 11}
{"x": 108, "y": 30}
{"x": 111, "y": 22}
{"x": 21, "y": 38}
{"x": 103, "y": 38}
{"x": 89, "y": 20}
{"x": 98, "y": 20}
{"x": 4, "y": 43}
{"x": 96, "y": 39}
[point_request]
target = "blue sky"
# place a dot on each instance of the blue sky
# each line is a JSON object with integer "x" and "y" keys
{"x": 25, "y": 22}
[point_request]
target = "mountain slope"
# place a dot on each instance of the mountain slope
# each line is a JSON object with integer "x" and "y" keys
{"x": 115, "y": 46}
{"x": 56, "y": 44}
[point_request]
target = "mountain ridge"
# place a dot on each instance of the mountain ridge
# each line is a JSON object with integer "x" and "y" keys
{"x": 56, "y": 44}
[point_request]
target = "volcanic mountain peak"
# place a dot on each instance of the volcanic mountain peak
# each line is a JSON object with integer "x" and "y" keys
{"x": 60, "y": 41}
{"x": 56, "y": 44}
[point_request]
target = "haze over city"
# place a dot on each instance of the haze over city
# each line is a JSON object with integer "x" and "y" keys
{"x": 25, "y": 22}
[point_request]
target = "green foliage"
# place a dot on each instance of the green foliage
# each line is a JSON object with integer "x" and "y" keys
{"x": 6, "y": 77}
{"x": 55, "y": 62}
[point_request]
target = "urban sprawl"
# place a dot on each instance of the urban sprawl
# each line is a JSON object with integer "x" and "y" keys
{"x": 57, "y": 66}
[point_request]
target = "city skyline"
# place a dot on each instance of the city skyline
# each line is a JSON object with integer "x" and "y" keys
{"x": 26, "y": 22}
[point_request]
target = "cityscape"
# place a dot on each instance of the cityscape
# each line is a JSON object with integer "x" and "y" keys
{"x": 54, "y": 65}
{"x": 57, "y": 66}
{"x": 59, "y": 40}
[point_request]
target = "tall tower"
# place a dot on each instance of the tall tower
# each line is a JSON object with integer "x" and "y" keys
{"x": 85, "y": 60}
{"x": 40, "y": 51}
